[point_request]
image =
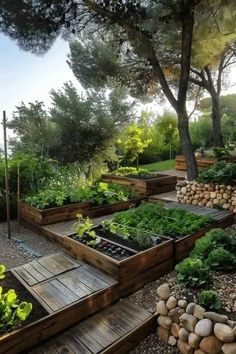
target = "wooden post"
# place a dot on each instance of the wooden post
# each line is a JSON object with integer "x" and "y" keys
{"x": 6, "y": 174}
{"x": 18, "y": 197}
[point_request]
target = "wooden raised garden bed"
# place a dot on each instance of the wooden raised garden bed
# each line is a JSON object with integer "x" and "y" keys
{"x": 97, "y": 211}
{"x": 63, "y": 293}
{"x": 202, "y": 163}
{"x": 49, "y": 216}
{"x": 145, "y": 185}
{"x": 130, "y": 263}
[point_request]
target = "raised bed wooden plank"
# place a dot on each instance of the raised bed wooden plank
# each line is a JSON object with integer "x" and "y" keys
{"x": 51, "y": 215}
{"x": 202, "y": 163}
{"x": 125, "y": 269}
{"x": 99, "y": 333}
{"x": 159, "y": 183}
{"x": 64, "y": 306}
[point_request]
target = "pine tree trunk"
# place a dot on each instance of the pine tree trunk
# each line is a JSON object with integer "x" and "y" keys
{"x": 216, "y": 121}
{"x": 186, "y": 145}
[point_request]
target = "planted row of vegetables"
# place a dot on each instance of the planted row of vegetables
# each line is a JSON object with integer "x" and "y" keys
{"x": 146, "y": 235}
{"x": 51, "y": 206}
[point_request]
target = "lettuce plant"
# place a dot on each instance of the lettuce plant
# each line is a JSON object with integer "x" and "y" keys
{"x": 192, "y": 272}
{"x": 210, "y": 299}
{"x": 12, "y": 311}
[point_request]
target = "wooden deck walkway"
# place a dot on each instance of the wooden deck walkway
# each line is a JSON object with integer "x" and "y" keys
{"x": 58, "y": 280}
{"x": 224, "y": 218}
{"x": 114, "y": 330}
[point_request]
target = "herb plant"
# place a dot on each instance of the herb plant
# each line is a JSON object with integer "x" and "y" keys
{"x": 192, "y": 272}
{"x": 12, "y": 311}
{"x": 210, "y": 299}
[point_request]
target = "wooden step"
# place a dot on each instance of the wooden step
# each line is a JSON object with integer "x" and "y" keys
{"x": 68, "y": 289}
{"x": 114, "y": 330}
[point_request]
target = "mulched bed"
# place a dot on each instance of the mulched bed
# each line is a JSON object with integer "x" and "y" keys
{"x": 10, "y": 282}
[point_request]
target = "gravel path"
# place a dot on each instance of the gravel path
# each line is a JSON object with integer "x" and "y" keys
{"x": 13, "y": 254}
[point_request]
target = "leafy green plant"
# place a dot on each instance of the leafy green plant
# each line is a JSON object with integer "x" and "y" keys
{"x": 221, "y": 173}
{"x": 159, "y": 220}
{"x": 84, "y": 225}
{"x": 192, "y": 272}
{"x": 221, "y": 259}
{"x": 212, "y": 240}
{"x": 210, "y": 299}
{"x": 220, "y": 153}
{"x": 125, "y": 171}
{"x": 65, "y": 193}
{"x": 12, "y": 311}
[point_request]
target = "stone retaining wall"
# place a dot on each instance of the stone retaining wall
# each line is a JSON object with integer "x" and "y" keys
{"x": 207, "y": 195}
{"x": 191, "y": 328}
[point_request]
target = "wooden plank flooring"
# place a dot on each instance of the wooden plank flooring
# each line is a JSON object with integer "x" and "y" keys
{"x": 45, "y": 268}
{"x": 58, "y": 280}
{"x": 218, "y": 215}
{"x": 103, "y": 332}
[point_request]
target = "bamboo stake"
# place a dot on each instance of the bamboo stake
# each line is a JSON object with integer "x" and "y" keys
{"x": 6, "y": 175}
{"x": 18, "y": 197}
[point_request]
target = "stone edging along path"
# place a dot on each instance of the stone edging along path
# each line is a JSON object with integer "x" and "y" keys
{"x": 191, "y": 328}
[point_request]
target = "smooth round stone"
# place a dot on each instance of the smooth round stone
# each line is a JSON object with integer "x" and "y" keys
{"x": 216, "y": 317}
{"x": 229, "y": 348}
{"x": 211, "y": 345}
{"x": 190, "y": 308}
{"x": 182, "y": 303}
{"x": 164, "y": 291}
{"x": 171, "y": 303}
{"x": 194, "y": 340}
{"x": 224, "y": 332}
{"x": 164, "y": 322}
{"x": 172, "y": 341}
{"x": 183, "y": 334}
{"x": 204, "y": 328}
{"x": 161, "y": 308}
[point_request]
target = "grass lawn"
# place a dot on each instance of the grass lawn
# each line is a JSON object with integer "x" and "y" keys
{"x": 160, "y": 166}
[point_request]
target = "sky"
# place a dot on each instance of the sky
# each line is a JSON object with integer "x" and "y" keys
{"x": 27, "y": 77}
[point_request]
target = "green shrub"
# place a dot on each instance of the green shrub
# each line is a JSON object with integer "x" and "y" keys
{"x": 192, "y": 272}
{"x": 210, "y": 299}
{"x": 221, "y": 259}
{"x": 212, "y": 240}
{"x": 125, "y": 171}
{"x": 12, "y": 311}
{"x": 221, "y": 173}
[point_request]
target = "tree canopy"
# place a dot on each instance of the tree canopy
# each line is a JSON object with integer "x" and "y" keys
{"x": 143, "y": 31}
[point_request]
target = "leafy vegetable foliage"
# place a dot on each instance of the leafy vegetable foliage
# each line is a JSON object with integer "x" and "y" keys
{"x": 192, "y": 272}
{"x": 12, "y": 311}
{"x": 99, "y": 194}
{"x": 217, "y": 249}
{"x": 210, "y": 299}
{"x": 159, "y": 220}
{"x": 221, "y": 172}
{"x": 126, "y": 171}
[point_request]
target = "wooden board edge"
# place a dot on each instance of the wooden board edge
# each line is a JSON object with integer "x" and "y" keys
{"x": 133, "y": 338}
